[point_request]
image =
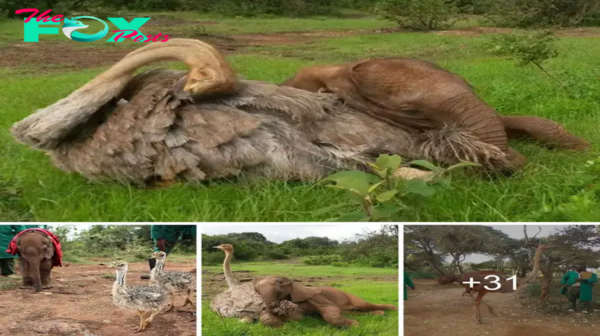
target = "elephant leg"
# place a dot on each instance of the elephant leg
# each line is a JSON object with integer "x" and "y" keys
{"x": 359, "y": 304}
{"x": 45, "y": 272}
{"x": 333, "y": 315}
{"x": 547, "y": 132}
{"x": 25, "y": 274}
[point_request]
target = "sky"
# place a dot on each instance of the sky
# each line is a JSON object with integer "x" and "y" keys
{"x": 514, "y": 231}
{"x": 281, "y": 233}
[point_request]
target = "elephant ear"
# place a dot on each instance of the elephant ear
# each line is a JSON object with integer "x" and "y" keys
{"x": 47, "y": 250}
{"x": 302, "y": 293}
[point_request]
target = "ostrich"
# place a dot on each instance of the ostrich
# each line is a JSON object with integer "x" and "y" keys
{"x": 163, "y": 125}
{"x": 172, "y": 282}
{"x": 243, "y": 302}
{"x": 147, "y": 301}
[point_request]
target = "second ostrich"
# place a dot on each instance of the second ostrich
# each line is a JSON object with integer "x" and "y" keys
{"x": 172, "y": 282}
{"x": 243, "y": 302}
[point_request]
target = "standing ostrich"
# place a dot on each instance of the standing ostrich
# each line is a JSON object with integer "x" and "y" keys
{"x": 505, "y": 285}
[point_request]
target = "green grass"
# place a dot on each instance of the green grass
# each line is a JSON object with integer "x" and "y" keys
{"x": 361, "y": 281}
{"x": 47, "y": 194}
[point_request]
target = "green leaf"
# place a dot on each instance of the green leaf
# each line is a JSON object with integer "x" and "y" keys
{"x": 427, "y": 165}
{"x": 419, "y": 187}
{"x": 388, "y": 161}
{"x": 463, "y": 165}
{"x": 386, "y": 196}
{"x": 354, "y": 216}
{"x": 384, "y": 212}
{"x": 355, "y": 181}
{"x": 375, "y": 186}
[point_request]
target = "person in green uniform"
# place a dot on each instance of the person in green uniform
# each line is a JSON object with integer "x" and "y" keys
{"x": 585, "y": 289}
{"x": 7, "y": 261}
{"x": 568, "y": 280}
{"x": 166, "y": 238}
{"x": 407, "y": 283}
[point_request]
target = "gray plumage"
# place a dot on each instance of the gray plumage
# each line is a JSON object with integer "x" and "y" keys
{"x": 157, "y": 132}
{"x": 139, "y": 298}
{"x": 172, "y": 281}
{"x": 241, "y": 301}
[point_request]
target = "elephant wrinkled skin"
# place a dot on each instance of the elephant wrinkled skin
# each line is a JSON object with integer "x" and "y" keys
{"x": 329, "y": 302}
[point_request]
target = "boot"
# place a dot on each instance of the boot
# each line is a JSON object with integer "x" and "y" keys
{"x": 151, "y": 263}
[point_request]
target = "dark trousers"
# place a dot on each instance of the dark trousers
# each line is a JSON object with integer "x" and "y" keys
{"x": 573, "y": 295}
{"x": 7, "y": 266}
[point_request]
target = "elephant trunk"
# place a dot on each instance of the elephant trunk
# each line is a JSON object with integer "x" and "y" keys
{"x": 543, "y": 130}
{"x": 34, "y": 268}
{"x": 469, "y": 112}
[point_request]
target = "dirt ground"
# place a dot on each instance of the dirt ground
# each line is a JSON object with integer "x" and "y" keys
{"x": 436, "y": 310}
{"x": 80, "y": 304}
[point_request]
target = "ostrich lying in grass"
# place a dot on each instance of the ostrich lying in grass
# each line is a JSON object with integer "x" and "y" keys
{"x": 164, "y": 125}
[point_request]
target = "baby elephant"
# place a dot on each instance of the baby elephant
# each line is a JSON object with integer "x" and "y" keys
{"x": 36, "y": 251}
{"x": 328, "y": 301}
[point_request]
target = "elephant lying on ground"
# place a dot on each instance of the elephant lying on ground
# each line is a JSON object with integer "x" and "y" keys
{"x": 421, "y": 95}
{"x": 329, "y": 302}
{"x": 163, "y": 125}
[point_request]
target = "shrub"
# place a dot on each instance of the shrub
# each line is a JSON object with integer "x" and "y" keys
{"x": 543, "y": 13}
{"x": 323, "y": 260}
{"x": 419, "y": 14}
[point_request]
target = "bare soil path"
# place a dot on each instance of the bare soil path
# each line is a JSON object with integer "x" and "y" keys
{"x": 80, "y": 304}
{"x": 435, "y": 310}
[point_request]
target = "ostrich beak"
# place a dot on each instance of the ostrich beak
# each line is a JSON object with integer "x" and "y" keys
{"x": 218, "y": 247}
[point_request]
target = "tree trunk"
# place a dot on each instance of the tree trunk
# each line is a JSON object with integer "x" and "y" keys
{"x": 546, "y": 284}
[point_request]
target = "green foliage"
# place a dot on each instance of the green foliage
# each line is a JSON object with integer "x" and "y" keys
{"x": 133, "y": 242}
{"x": 293, "y": 8}
{"x": 423, "y": 274}
{"x": 383, "y": 196}
{"x": 527, "y": 48}
{"x": 544, "y": 13}
{"x": 323, "y": 260}
{"x": 584, "y": 202}
{"x": 372, "y": 248}
{"x": 419, "y": 14}
{"x": 12, "y": 206}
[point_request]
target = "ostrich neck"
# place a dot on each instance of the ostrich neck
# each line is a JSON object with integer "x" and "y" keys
{"x": 120, "y": 281}
{"x": 231, "y": 280}
{"x": 158, "y": 269}
{"x": 536, "y": 268}
{"x": 507, "y": 286}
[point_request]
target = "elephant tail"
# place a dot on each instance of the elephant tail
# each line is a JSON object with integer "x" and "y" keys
{"x": 547, "y": 132}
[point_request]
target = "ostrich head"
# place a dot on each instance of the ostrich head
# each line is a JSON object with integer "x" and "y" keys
{"x": 159, "y": 255}
{"x": 119, "y": 265}
{"x": 227, "y": 248}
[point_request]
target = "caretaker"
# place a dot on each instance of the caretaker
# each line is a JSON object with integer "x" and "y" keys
{"x": 166, "y": 238}
{"x": 407, "y": 283}
{"x": 583, "y": 289}
{"x": 7, "y": 261}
